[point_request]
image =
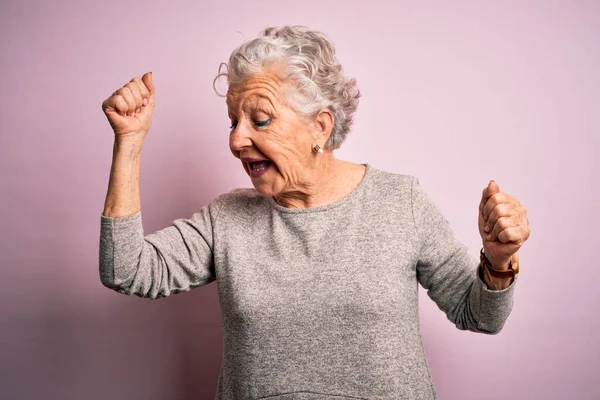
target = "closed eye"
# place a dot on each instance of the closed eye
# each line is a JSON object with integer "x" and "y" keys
{"x": 258, "y": 123}
{"x": 263, "y": 123}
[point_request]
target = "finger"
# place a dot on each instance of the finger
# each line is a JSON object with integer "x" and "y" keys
{"x": 125, "y": 92}
{"x": 115, "y": 102}
{"x": 149, "y": 83}
{"x": 120, "y": 105}
{"x": 492, "y": 201}
{"x": 501, "y": 224}
{"x": 137, "y": 96}
{"x": 143, "y": 90}
{"x": 500, "y": 210}
{"x": 513, "y": 234}
{"x": 489, "y": 190}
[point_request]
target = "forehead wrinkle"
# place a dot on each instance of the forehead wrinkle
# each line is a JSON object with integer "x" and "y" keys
{"x": 251, "y": 86}
{"x": 252, "y": 100}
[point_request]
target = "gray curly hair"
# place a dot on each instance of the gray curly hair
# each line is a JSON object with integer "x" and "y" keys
{"x": 311, "y": 67}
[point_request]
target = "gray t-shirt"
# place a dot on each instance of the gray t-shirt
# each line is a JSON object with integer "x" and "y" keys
{"x": 316, "y": 303}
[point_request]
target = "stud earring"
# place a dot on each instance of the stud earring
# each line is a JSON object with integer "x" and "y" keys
{"x": 317, "y": 148}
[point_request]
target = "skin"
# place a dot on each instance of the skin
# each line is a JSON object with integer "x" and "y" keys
{"x": 504, "y": 227}
{"x": 129, "y": 112}
{"x": 264, "y": 126}
{"x": 300, "y": 177}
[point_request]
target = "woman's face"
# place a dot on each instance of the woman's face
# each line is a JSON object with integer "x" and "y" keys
{"x": 264, "y": 127}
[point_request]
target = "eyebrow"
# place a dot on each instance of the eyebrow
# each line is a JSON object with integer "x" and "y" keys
{"x": 254, "y": 95}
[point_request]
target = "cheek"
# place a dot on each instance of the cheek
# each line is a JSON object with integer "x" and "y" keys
{"x": 289, "y": 141}
{"x": 285, "y": 155}
{"x": 272, "y": 144}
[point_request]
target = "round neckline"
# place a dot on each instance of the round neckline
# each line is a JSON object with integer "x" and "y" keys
{"x": 329, "y": 206}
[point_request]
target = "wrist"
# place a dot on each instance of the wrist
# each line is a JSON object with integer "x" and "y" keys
{"x": 497, "y": 274}
{"x": 494, "y": 283}
{"x": 128, "y": 145}
{"x": 502, "y": 265}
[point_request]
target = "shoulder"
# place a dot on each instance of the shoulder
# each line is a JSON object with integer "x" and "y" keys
{"x": 391, "y": 193}
{"x": 239, "y": 200}
{"x": 392, "y": 183}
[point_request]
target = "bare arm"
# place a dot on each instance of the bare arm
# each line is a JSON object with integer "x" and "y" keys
{"x": 123, "y": 195}
{"x": 171, "y": 260}
{"x": 129, "y": 112}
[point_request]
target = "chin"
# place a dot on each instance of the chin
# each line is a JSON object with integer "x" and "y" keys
{"x": 266, "y": 184}
{"x": 264, "y": 188}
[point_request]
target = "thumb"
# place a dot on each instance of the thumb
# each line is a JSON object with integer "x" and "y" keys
{"x": 490, "y": 189}
{"x": 147, "y": 79}
{"x": 493, "y": 187}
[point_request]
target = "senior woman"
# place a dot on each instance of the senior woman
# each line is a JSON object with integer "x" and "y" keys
{"x": 317, "y": 266}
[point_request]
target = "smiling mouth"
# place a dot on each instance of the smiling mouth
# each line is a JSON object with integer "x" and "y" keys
{"x": 258, "y": 166}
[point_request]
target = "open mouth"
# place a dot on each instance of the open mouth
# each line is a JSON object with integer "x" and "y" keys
{"x": 258, "y": 166}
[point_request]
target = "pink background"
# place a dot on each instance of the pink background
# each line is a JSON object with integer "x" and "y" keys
{"x": 456, "y": 93}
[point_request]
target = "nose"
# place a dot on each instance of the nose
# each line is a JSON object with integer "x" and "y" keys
{"x": 239, "y": 138}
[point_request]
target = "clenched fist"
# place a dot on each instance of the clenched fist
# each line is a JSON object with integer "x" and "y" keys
{"x": 129, "y": 109}
{"x": 503, "y": 225}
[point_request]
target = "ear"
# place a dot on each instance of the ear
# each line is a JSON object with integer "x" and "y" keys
{"x": 324, "y": 124}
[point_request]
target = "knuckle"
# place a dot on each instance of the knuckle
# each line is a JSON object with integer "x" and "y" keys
{"x": 124, "y": 91}
{"x": 124, "y": 104}
{"x": 144, "y": 91}
{"x": 495, "y": 208}
{"x": 501, "y": 209}
{"x": 502, "y": 223}
{"x": 522, "y": 219}
{"x": 516, "y": 211}
{"x": 120, "y": 104}
{"x": 132, "y": 86}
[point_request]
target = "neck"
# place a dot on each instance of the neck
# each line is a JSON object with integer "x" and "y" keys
{"x": 322, "y": 184}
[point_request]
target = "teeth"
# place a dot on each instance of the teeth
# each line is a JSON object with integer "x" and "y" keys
{"x": 259, "y": 168}
{"x": 259, "y": 165}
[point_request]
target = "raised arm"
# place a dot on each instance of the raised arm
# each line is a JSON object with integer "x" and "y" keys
{"x": 171, "y": 260}
{"x": 129, "y": 112}
{"x": 451, "y": 274}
